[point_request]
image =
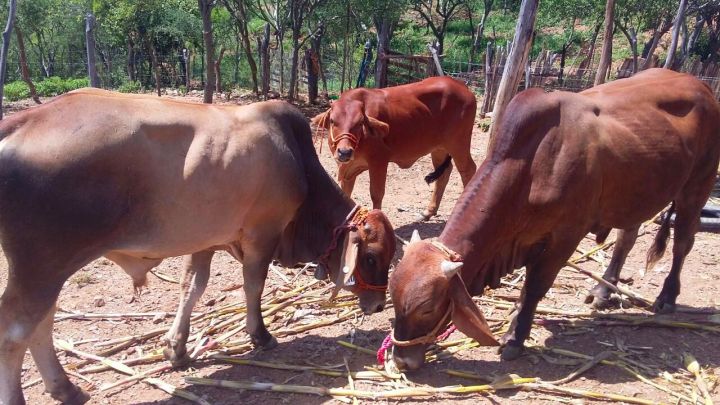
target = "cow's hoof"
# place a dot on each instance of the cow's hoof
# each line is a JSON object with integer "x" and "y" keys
{"x": 423, "y": 216}
{"x": 266, "y": 344}
{"x": 511, "y": 352}
{"x": 662, "y": 307}
{"x": 176, "y": 360}
{"x": 71, "y": 395}
{"x": 600, "y": 303}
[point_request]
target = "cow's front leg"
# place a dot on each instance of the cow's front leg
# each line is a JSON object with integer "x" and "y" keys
{"x": 196, "y": 272}
{"x": 378, "y": 176}
{"x": 539, "y": 279}
{"x": 255, "y": 269}
{"x": 346, "y": 179}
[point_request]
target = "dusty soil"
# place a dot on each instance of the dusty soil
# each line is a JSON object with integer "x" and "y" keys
{"x": 661, "y": 348}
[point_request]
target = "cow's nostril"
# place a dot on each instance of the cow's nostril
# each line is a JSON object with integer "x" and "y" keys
{"x": 379, "y": 307}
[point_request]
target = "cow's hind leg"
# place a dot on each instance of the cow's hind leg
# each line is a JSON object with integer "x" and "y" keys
{"x": 539, "y": 279}
{"x": 600, "y": 295}
{"x": 687, "y": 220}
{"x": 442, "y": 163}
{"x": 43, "y": 352}
{"x": 26, "y": 318}
{"x": 196, "y": 272}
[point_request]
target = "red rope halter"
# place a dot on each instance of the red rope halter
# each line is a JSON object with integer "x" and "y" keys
{"x": 334, "y": 140}
{"x": 355, "y": 219}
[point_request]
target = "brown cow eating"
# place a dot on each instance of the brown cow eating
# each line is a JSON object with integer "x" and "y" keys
{"x": 564, "y": 164}
{"x": 369, "y": 128}
{"x": 138, "y": 179}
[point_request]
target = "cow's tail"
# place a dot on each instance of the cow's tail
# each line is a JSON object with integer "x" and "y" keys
{"x": 657, "y": 250}
{"x": 438, "y": 171}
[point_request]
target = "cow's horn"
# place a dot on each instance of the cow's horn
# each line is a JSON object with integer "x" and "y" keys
{"x": 415, "y": 236}
{"x": 450, "y": 268}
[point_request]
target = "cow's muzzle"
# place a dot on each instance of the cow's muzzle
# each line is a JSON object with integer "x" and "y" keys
{"x": 344, "y": 155}
{"x": 409, "y": 358}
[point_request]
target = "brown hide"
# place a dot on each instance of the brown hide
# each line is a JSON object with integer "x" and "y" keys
{"x": 369, "y": 128}
{"x": 138, "y": 179}
{"x": 564, "y": 165}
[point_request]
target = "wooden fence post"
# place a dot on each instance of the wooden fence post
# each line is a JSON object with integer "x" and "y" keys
{"x": 515, "y": 64}
{"x": 188, "y": 72}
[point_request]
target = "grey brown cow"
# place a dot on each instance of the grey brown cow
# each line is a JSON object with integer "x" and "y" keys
{"x": 137, "y": 179}
{"x": 564, "y": 164}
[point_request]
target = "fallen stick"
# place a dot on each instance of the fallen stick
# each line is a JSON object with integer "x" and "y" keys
{"x": 584, "y": 368}
{"x": 636, "y": 298}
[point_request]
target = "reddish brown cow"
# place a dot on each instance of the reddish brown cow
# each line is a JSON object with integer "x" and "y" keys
{"x": 564, "y": 165}
{"x": 369, "y": 128}
{"x": 137, "y": 179}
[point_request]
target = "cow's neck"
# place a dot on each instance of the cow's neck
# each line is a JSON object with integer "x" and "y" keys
{"x": 325, "y": 208}
{"x": 484, "y": 223}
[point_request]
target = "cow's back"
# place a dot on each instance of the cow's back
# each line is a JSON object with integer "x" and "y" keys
{"x": 96, "y": 171}
{"x": 614, "y": 155}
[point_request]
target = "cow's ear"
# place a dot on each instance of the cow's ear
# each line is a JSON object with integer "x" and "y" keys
{"x": 322, "y": 120}
{"x": 377, "y": 127}
{"x": 466, "y": 316}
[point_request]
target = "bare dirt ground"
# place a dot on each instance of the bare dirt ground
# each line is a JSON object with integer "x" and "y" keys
{"x": 656, "y": 350}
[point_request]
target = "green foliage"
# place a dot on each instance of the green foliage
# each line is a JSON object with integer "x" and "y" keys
{"x": 130, "y": 87}
{"x": 17, "y": 90}
{"x": 54, "y": 86}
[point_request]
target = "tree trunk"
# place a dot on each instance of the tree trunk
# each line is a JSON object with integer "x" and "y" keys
{"x": 265, "y": 60}
{"x": 292, "y": 88}
{"x": 606, "y": 55}
{"x": 697, "y": 30}
{"x": 634, "y": 49}
{"x": 312, "y": 74}
{"x": 218, "y": 76}
{"x": 659, "y": 32}
{"x": 679, "y": 19}
{"x": 24, "y": 66}
{"x": 242, "y": 19}
{"x": 515, "y": 65}
{"x": 5, "y": 45}
{"x": 155, "y": 66}
{"x": 281, "y": 49}
{"x": 343, "y": 73}
{"x": 90, "y": 46}
{"x": 131, "y": 60}
{"x": 481, "y": 28}
{"x": 205, "y": 10}
{"x": 384, "y": 32}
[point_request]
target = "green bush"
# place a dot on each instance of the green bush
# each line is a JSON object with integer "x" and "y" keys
{"x": 74, "y": 84}
{"x": 15, "y": 91}
{"x": 130, "y": 87}
{"x": 52, "y": 86}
